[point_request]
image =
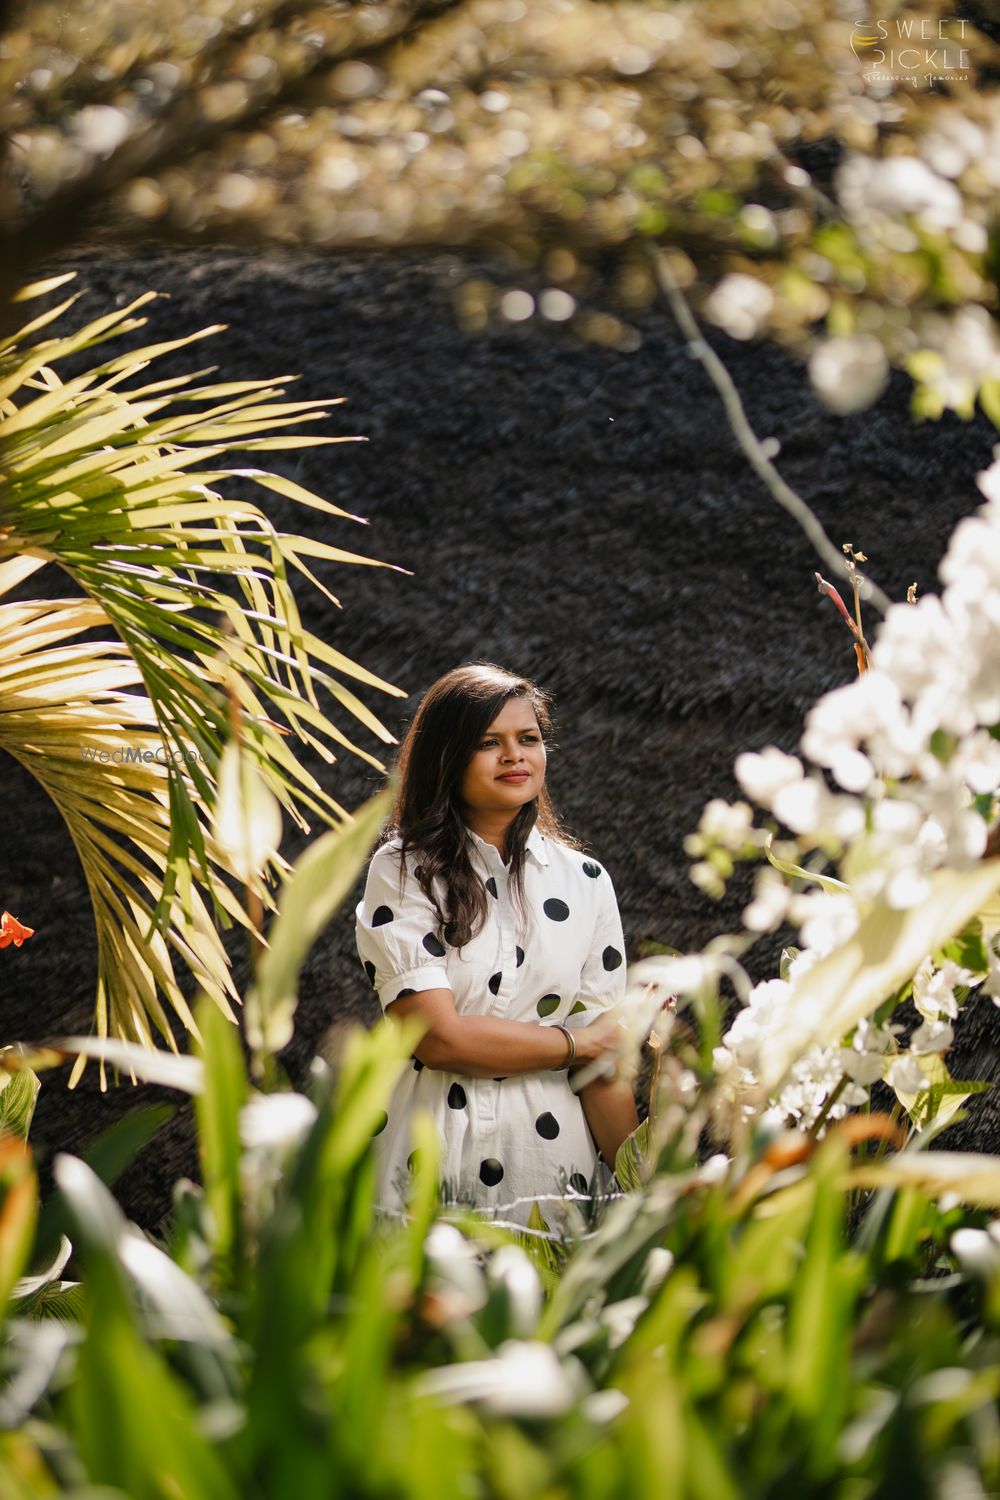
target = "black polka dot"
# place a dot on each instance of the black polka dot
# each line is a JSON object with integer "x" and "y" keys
{"x": 547, "y": 1126}
{"x": 578, "y": 1009}
{"x": 403, "y": 993}
{"x": 589, "y": 868}
{"x": 418, "y": 871}
{"x": 501, "y": 1080}
{"x": 383, "y": 1121}
{"x": 519, "y": 954}
{"x": 456, "y": 1096}
{"x": 382, "y": 915}
{"x": 495, "y": 980}
{"x": 491, "y": 886}
{"x": 490, "y": 1171}
{"x": 578, "y": 1181}
{"x": 418, "y": 1066}
{"x": 434, "y": 945}
{"x": 370, "y": 971}
{"x": 557, "y": 910}
{"x": 547, "y": 1004}
{"x": 611, "y": 958}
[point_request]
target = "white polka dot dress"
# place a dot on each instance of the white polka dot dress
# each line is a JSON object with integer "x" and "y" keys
{"x": 503, "y": 1139}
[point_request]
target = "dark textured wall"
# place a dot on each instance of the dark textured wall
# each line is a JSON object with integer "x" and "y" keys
{"x": 579, "y": 515}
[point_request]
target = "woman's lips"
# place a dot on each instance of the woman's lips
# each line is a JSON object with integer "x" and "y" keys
{"x": 515, "y": 776}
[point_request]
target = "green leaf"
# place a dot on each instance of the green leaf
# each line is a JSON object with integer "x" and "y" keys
{"x": 320, "y": 880}
{"x": 18, "y": 1092}
{"x": 847, "y": 985}
{"x": 942, "y": 1097}
{"x": 799, "y": 872}
{"x": 989, "y": 399}
{"x": 133, "y": 1421}
{"x": 632, "y": 1162}
{"x": 218, "y": 1109}
{"x": 107, "y": 1157}
{"x": 18, "y": 1212}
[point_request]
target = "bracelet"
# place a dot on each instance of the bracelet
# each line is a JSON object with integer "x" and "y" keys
{"x": 571, "y": 1059}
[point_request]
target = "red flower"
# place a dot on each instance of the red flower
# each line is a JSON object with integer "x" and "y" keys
{"x": 13, "y": 931}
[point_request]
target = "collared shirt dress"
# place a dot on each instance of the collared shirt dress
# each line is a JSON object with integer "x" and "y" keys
{"x": 523, "y": 1137}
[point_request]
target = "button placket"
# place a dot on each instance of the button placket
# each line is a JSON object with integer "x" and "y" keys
{"x": 487, "y": 1089}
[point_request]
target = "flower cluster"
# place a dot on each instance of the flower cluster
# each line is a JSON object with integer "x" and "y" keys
{"x": 892, "y": 793}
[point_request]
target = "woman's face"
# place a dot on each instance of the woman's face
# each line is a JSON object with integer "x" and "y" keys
{"x": 507, "y": 768}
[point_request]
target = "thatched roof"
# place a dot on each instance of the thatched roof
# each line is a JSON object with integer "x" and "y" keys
{"x": 578, "y": 514}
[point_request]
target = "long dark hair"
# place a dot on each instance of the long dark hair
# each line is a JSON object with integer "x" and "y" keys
{"x": 446, "y": 730}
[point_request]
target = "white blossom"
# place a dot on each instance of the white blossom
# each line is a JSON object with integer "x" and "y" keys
{"x": 932, "y": 1036}
{"x": 870, "y": 190}
{"x": 762, "y": 775}
{"x": 522, "y": 1379}
{"x": 728, "y": 824}
{"x": 934, "y": 989}
{"x": 740, "y": 304}
{"x": 849, "y": 373}
{"x": 769, "y": 905}
{"x": 906, "y": 1076}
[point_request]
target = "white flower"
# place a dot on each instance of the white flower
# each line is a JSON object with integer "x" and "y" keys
{"x": 453, "y": 1262}
{"x": 523, "y": 1379}
{"x": 934, "y": 989}
{"x": 849, "y": 373}
{"x": 604, "y": 1406}
{"x": 275, "y": 1121}
{"x": 953, "y": 143}
{"x": 988, "y": 480}
{"x": 864, "y": 1060}
{"x": 825, "y": 919}
{"x": 808, "y": 808}
{"x": 843, "y": 720}
{"x": 932, "y": 1036}
{"x": 765, "y": 774}
{"x": 510, "y": 1271}
{"x": 968, "y": 354}
{"x": 740, "y": 304}
{"x": 619, "y": 1318}
{"x": 728, "y": 824}
{"x": 894, "y": 186}
{"x": 976, "y": 1250}
{"x": 904, "y": 1075}
{"x": 770, "y": 903}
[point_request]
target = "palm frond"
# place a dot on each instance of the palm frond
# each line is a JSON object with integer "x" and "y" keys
{"x": 112, "y": 480}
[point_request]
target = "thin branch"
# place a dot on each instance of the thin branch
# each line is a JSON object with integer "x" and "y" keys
{"x": 786, "y": 497}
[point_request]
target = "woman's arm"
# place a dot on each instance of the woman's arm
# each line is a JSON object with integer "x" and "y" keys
{"x": 609, "y": 1106}
{"x": 488, "y": 1047}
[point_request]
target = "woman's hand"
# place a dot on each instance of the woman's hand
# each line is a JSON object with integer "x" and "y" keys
{"x": 602, "y": 1038}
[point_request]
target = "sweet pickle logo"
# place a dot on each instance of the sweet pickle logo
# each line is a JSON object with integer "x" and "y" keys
{"x": 912, "y": 49}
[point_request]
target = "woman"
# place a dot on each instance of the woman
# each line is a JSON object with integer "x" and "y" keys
{"x": 484, "y": 919}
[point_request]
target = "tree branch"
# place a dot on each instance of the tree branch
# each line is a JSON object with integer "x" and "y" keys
{"x": 786, "y": 497}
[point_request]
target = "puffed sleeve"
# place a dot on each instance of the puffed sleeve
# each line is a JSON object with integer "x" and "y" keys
{"x": 602, "y": 981}
{"x": 398, "y": 931}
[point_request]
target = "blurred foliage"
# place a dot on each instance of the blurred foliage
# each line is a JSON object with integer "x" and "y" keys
{"x": 804, "y": 1318}
{"x": 800, "y": 190}
{"x": 718, "y": 1333}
